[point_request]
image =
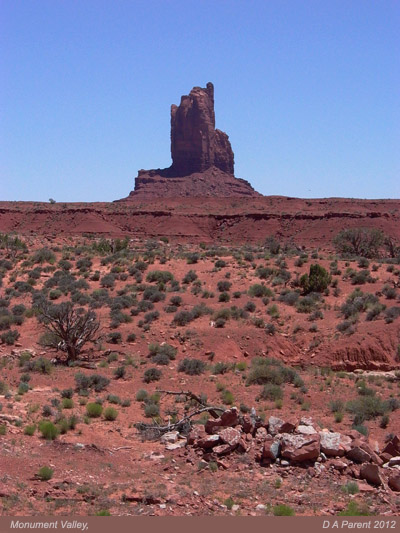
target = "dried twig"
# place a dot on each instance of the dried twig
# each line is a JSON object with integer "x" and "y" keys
{"x": 192, "y": 396}
{"x": 183, "y": 425}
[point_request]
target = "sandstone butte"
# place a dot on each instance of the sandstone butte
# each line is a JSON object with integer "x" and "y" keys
{"x": 202, "y": 156}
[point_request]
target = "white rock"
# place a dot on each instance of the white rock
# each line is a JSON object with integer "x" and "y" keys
{"x": 171, "y": 436}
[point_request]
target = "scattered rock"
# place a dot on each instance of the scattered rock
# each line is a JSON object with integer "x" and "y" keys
{"x": 261, "y": 434}
{"x": 222, "y": 449}
{"x": 394, "y": 482}
{"x": 196, "y": 433}
{"x": 271, "y": 448}
{"x": 358, "y": 455}
{"x": 392, "y": 447}
{"x": 393, "y": 461}
{"x": 277, "y": 425}
{"x": 299, "y": 448}
{"x": 370, "y": 472}
{"x": 229, "y": 418}
{"x": 175, "y": 445}
{"x": 209, "y": 441}
{"x": 305, "y": 430}
{"x": 230, "y": 436}
{"x": 170, "y": 437}
{"x": 334, "y": 444}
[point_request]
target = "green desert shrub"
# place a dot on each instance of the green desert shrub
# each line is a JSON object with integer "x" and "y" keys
{"x": 48, "y": 430}
{"x": 272, "y": 392}
{"x": 317, "y": 280}
{"x": 10, "y": 337}
{"x": 283, "y": 510}
{"x": 45, "y": 473}
{"x": 141, "y": 395}
{"x": 94, "y": 410}
{"x": 152, "y": 374}
{"x": 110, "y": 413}
{"x": 192, "y": 367}
{"x": 30, "y": 430}
{"x": 259, "y": 291}
{"x": 151, "y": 410}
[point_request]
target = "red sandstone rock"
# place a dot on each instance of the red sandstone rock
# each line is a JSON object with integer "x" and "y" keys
{"x": 394, "y": 482}
{"x": 370, "y": 472}
{"x": 299, "y": 448}
{"x": 222, "y": 449}
{"x": 334, "y": 444}
{"x": 261, "y": 434}
{"x": 230, "y": 436}
{"x": 248, "y": 424}
{"x": 271, "y": 448}
{"x": 392, "y": 447}
{"x": 358, "y": 455}
{"x": 229, "y": 418}
{"x": 277, "y": 425}
{"x": 196, "y": 433}
{"x": 209, "y": 442}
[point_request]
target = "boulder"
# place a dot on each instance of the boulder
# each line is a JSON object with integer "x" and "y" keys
{"x": 300, "y": 448}
{"x": 305, "y": 430}
{"x": 277, "y": 425}
{"x": 334, "y": 444}
{"x": 196, "y": 433}
{"x": 306, "y": 421}
{"x": 394, "y": 461}
{"x": 175, "y": 445}
{"x": 370, "y": 473}
{"x": 392, "y": 447}
{"x": 222, "y": 449}
{"x": 170, "y": 437}
{"x": 338, "y": 464}
{"x": 230, "y": 436}
{"x": 394, "y": 482}
{"x": 229, "y": 418}
{"x": 208, "y": 442}
{"x": 248, "y": 424}
{"x": 271, "y": 448}
{"x": 261, "y": 434}
{"x": 358, "y": 455}
{"x": 360, "y": 452}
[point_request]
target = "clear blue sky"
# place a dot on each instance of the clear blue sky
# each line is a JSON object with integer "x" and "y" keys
{"x": 307, "y": 90}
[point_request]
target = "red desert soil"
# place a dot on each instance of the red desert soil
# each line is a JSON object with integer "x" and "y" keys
{"x": 106, "y": 465}
{"x": 311, "y": 223}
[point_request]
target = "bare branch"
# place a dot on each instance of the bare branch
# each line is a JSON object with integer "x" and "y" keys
{"x": 192, "y": 396}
